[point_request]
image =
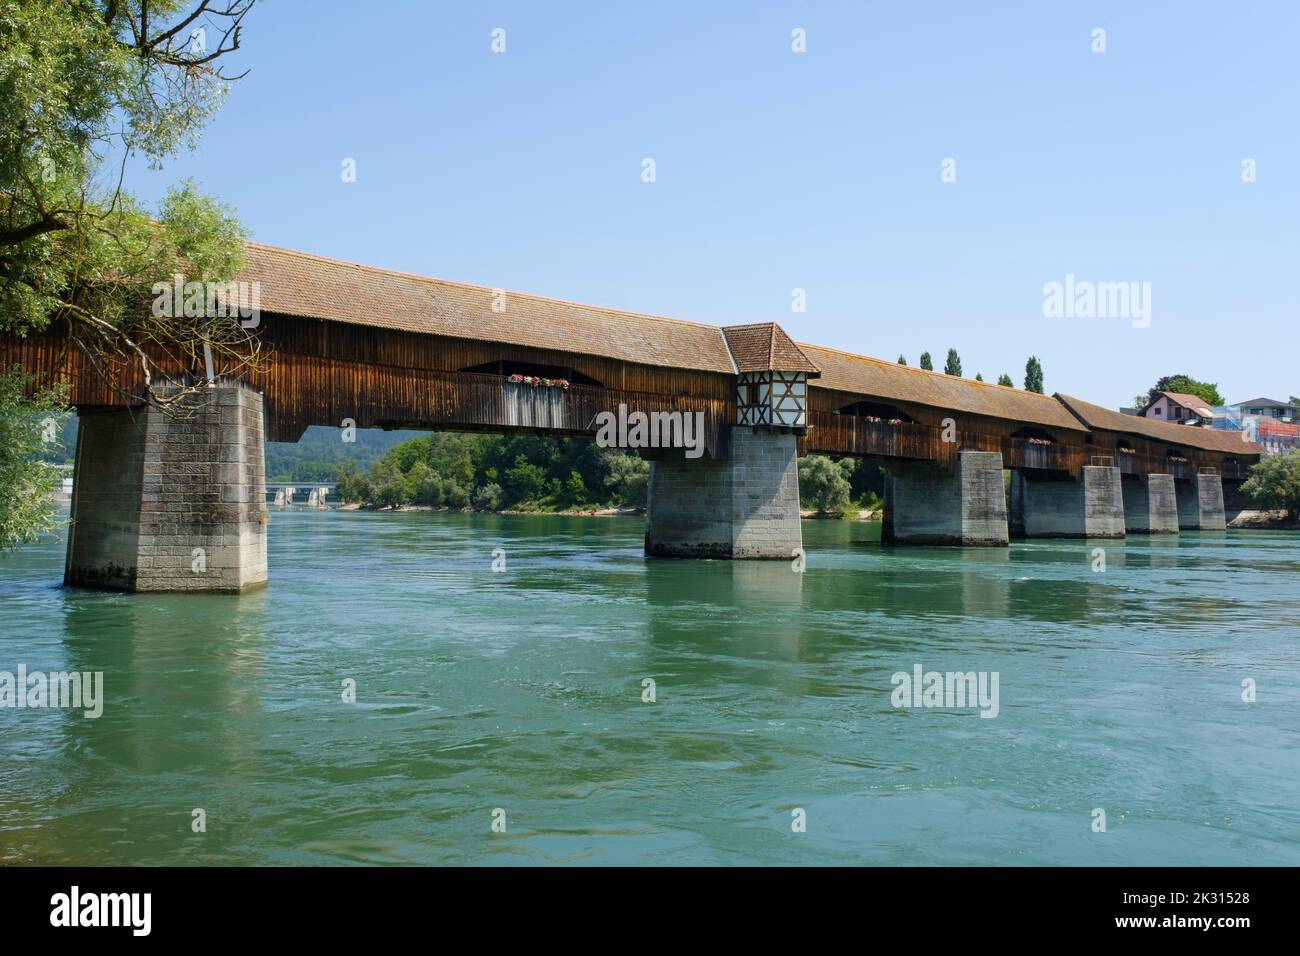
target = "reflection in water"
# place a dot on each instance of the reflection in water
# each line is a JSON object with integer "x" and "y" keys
{"x": 183, "y": 701}
{"x": 985, "y": 583}
{"x": 180, "y": 674}
{"x": 523, "y": 689}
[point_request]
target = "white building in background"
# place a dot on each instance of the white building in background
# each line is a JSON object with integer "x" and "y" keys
{"x": 1181, "y": 409}
{"x": 1257, "y": 423}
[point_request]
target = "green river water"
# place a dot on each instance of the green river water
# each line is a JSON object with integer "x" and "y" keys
{"x": 522, "y": 691}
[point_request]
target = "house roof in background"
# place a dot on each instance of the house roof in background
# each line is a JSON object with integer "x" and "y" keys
{"x": 1194, "y": 402}
{"x": 1262, "y": 402}
{"x": 1209, "y": 439}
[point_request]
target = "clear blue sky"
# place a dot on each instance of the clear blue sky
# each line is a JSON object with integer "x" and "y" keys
{"x": 821, "y": 170}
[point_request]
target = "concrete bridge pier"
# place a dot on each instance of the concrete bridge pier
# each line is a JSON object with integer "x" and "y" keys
{"x": 1150, "y": 504}
{"x": 1200, "y": 503}
{"x": 171, "y": 502}
{"x": 745, "y": 506}
{"x": 1051, "y": 505}
{"x": 926, "y": 503}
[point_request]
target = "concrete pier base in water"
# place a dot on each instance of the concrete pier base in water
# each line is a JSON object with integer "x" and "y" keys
{"x": 1200, "y": 503}
{"x": 1150, "y": 504}
{"x": 1049, "y": 505}
{"x": 746, "y": 506}
{"x": 926, "y": 503}
{"x": 171, "y": 501}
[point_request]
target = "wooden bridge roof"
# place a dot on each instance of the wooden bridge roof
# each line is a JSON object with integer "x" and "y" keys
{"x": 301, "y": 284}
{"x": 1189, "y": 436}
{"x": 764, "y": 347}
{"x": 891, "y": 382}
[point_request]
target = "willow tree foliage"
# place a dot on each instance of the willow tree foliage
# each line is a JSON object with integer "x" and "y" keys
{"x": 29, "y": 428}
{"x": 84, "y": 86}
{"x": 824, "y": 484}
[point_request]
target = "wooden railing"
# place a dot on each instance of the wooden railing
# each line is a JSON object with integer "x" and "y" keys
{"x": 1138, "y": 463}
{"x": 1021, "y": 453}
{"x": 851, "y": 435}
{"x": 832, "y": 434}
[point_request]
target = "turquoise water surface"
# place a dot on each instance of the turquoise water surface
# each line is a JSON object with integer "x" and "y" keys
{"x": 521, "y": 692}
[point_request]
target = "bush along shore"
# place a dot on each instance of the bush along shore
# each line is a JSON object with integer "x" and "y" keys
{"x": 525, "y": 508}
{"x": 525, "y": 474}
{"x": 458, "y": 472}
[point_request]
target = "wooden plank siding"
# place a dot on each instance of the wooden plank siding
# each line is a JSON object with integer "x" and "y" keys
{"x": 833, "y": 434}
{"x": 321, "y": 372}
{"x": 837, "y": 434}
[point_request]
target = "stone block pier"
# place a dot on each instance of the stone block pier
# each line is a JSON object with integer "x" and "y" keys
{"x": 171, "y": 500}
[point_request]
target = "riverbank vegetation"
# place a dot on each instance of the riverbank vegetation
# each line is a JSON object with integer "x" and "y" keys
{"x": 318, "y": 454}
{"x": 839, "y": 487}
{"x": 1274, "y": 484}
{"x": 29, "y": 430}
{"x": 540, "y": 473}
{"x": 495, "y": 473}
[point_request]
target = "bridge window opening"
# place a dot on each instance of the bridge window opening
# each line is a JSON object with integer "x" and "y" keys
{"x": 1034, "y": 436}
{"x": 876, "y": 412}
{"x": 1126, "y": 446}
{"x": 507, "y": 368}
{"x": 1177, "y": 455}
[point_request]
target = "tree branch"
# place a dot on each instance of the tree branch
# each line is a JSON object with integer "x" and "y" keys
{"x": 47, "y": 223}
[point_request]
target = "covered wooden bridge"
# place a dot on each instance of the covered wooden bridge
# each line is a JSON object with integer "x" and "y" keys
{"x": 356, "y": 345}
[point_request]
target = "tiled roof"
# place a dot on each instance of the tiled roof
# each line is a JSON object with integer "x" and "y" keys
{"x": 1194, "y": 402}
{"x": 1210, "y": 439}
{"x": 889, "y": 381}
{"x": 301, "y": 284}
{"x": 1262, "y": 402}
{"x": 297, "y": 283}
{"x": 764, "y": 347}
